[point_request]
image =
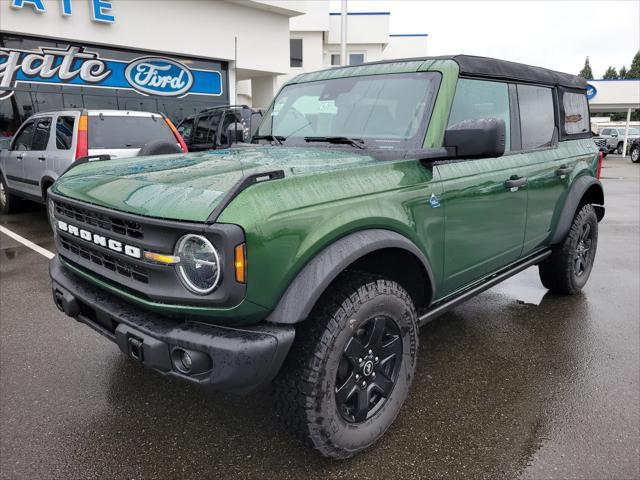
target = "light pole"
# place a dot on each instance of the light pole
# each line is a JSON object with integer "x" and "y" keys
{"x": 343, "y": 34}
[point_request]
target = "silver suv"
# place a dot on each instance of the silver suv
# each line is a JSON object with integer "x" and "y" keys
{"x": 46, "y": 144}
{"x": 615, "y": 138}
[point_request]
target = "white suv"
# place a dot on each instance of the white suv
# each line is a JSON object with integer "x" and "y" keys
{"x": 615, "y": 138}
{"x": 46, "y": 144}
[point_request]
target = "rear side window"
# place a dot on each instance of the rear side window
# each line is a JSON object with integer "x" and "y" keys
{"x": 477, "y": 99}
{"x": 64, "y": 132}
{"x": 576, "y": 113}
{"x": 127, "y": 132}
{"x": 537, "y": 120}
{"x": 41, "y": 134}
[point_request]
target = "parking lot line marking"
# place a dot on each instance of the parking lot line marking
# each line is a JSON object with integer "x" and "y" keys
{"x": 28, "y": 243}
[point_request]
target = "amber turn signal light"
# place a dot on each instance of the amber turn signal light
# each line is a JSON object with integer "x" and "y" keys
{"x": 240, "y": 263}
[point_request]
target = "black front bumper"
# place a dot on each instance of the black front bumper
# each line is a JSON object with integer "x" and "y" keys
{"x": 223, "y": 358}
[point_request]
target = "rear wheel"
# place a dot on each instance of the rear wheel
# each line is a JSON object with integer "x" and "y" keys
{"x": 635, "y": 154}
{"x": 568, "y": 268}
{"x": 7, "y": 200}
{"x": 351, "y": 366}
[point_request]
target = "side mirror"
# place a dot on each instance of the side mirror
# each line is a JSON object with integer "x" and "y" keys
{"x": 614, "y": 134}
{"x": 476, "y": 138}
{"x": 235, "y": 133}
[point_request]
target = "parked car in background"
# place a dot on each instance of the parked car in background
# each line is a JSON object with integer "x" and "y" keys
{"x": 46, "y": 144}
{"x": 634, "y": 150}
{"x": 219, "y": 127}
{"x": 5, "y": 142}
{"x": 601, "y": 143}
{"x": 615, "y": 137}
{"x": 377, "y": 199}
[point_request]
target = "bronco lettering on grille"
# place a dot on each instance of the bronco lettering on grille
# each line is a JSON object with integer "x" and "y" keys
{"x": 100, "y": 240}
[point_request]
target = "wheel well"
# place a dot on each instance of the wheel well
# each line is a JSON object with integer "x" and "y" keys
{"x": 400, "y": 266}
{"x": 595, "y": 196}
{"x": 46, "y": 183}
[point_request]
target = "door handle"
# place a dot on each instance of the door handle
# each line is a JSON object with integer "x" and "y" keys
{"x": 563, "y": 171}
{"x": 515, "y": 182}
{"x": 42, "y": 158}
{"x": 20, "y": 156}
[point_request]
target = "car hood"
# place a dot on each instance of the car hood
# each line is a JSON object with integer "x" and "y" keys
{"x": 189, "y": 186}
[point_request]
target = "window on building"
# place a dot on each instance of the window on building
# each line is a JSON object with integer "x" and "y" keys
{"x": 64, "y": 132}
{"x": 576, "y": 113}
{"x": 475, "y": 99}
{"x": 335, "y": 59}
{"x": 537, "y": 122}
{"x": 41, "y": 134}
{"x": 295, "y": 47}
{"x": 356, "y": 58}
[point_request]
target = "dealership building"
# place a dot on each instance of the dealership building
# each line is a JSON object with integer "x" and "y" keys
{"x": 173, "y": 57}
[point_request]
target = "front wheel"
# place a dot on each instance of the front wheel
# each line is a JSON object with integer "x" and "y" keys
{"x": 351, "y": 366}
{"x": 7, "y": 200}
{"x": 635, "y": 154}
{"x": 619, "y": 148}
{"x": 568, "y": 268}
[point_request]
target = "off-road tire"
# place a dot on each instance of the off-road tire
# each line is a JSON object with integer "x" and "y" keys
{"x": 7, "y": 200}
{"x": 558, "y": 272}
{"x": 635, "y": 154}
{"x": 305, "y": 388}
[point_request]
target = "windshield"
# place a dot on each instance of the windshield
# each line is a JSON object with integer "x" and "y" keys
{"x": 385, "y": 111}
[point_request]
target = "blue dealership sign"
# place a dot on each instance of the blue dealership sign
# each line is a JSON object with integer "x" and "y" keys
{"x": 75, "y": 66}
{"x": 591, "y": 91}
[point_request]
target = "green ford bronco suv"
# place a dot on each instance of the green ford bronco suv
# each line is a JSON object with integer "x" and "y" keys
{"x": 375, "y": 198}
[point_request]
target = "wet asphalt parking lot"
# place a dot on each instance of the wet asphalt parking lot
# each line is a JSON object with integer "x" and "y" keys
{"x": 516, "y": 383}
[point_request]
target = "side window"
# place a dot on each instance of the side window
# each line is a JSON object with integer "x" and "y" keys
{"x": 576, "y": 113}
{"x": 537, "y": 121}
{"x": 476, "y": 99}
{"x": 64, "y": 132}
{"x": 23, "y": 140}
{"x": 41, "y": 134}
{"x": 606, "y": 131}
{"x": 185, "y": 128}
{"x": 205, "y": 128}
{"x": 231, "y": 119}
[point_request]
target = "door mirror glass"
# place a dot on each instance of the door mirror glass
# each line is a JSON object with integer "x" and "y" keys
{"x": 476, "y": 138}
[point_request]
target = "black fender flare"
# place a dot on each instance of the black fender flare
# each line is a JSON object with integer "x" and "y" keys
{"x": 575, "y": 195}
{"x": 303, "y": 292}
{"x": 43, "y": 182}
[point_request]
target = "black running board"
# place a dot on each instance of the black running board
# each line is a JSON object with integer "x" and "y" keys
{"x": 447, "y": 305}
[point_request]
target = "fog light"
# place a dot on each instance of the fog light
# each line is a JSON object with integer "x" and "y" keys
{"x": 185, "y": 358}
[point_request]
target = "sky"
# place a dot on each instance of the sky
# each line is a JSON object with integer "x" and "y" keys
{"x": 552, "y": 34}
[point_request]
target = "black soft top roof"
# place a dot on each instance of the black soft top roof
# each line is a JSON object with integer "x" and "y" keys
{"x": 494, "y": 68}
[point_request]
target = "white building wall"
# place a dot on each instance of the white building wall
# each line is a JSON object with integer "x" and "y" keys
{"x": 361, "y": 28}
{"x": 405, "y": 46}
{"x": 615, "y": 95}
{"x": 316, "y": 18}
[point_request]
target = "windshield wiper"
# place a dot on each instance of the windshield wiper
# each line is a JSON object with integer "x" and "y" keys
{"x": 273, "y": 138}
{"x": 354, "y": 142}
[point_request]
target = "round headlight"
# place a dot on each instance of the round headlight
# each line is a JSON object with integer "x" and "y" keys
{"x": 199, "y": 265}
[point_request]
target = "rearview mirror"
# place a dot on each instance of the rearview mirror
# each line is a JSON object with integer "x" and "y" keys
{"x": 476, "y": 138}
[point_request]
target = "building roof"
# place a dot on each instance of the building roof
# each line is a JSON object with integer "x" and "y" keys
{"x": 471, "y": 66}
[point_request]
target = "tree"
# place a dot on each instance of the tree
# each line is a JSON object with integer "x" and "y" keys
{"x": 586, "y": 72}
{"x": 634, "y": 70}
{"x": 610, "y": 74}
{"x": 623, "y": 72}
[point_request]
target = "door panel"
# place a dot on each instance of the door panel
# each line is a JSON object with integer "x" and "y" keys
{"x": 14, "y": 166}
{"x": 484, "y": 219}
{"x": 35, "y": 161}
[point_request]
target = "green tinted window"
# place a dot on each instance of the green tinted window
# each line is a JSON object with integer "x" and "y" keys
{"x": 476, "y": 99}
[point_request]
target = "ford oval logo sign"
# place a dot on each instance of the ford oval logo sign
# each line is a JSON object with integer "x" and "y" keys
{"x": 159, "y": 76}
{"x": 591, "y": 91}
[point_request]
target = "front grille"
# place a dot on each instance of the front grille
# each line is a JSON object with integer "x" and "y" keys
{"x": 95, "y": 219}
{"x": 600, "y": 142}
{"x": 105, "y": 260}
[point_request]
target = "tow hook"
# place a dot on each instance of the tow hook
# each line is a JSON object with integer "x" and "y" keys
{"x": 135, "y": 348}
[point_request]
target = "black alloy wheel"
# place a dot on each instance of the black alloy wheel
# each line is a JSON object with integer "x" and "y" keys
{"x": 583, "y": 250}
{"x": 368, "y": 369}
